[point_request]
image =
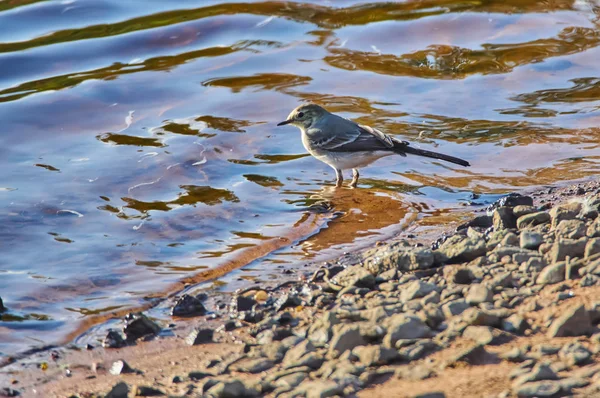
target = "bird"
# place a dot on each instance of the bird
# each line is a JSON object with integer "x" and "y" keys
{"x": 344, "y": 144}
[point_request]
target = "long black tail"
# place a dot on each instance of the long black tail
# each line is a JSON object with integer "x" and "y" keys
{"x": 428, "y": 154}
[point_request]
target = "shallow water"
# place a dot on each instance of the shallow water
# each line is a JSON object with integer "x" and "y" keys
{"x": 138, "y": 141}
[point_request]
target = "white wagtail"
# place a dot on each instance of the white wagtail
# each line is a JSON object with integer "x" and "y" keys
{"x": 344, "y": 144}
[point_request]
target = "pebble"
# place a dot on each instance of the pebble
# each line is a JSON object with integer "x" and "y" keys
{"x": 540, "y": 389}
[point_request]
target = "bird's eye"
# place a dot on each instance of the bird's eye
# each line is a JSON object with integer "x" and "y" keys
{"x": 300, "y": 115}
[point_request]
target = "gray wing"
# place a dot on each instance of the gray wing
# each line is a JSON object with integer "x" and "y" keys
{"x": 356, "y": 139}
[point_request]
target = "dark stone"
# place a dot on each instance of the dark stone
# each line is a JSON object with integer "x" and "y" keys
{"x": 177, "y": 379}
{"x": 463, "y": 277}
{"x": 146, "y": 391}
{"x": 113, "y": 339}
{"x": 200, "y": 336}
{"x": 2, "y": 307}
{"x": 242, "y": 303}
{"x": 511, "y": 200}
{"x": 253, "y": 316}
{"x": 229, "y": 326}
{"x": 202, "y": 296}
{"x": 287, "y": 301}
{"x": 503, "y": 218}
{"x": 9, "y": 392}
{"x": 187, "y": 305}
{"x": 198, "y": 375}
{"x": 478, "y": 222}
{"x": 138, "y": 325}
{"x": 120, "y": 390}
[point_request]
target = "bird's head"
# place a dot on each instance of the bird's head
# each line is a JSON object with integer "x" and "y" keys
{"x": 304, "y": 116}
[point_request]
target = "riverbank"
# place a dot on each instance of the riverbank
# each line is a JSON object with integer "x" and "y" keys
{"x": 503, "y": 305}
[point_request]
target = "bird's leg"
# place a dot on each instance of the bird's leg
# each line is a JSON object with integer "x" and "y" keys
{"x": 339, "y": 178}
{"x": 355, "y": 176}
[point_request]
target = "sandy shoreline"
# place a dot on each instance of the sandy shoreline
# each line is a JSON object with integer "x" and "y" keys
{"x": 166, "y": 358}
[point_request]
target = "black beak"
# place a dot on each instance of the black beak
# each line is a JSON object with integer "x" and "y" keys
{"x": 284, "y": 123}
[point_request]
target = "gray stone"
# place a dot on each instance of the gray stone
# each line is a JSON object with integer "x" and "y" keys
{"x": 472, "y": 355}
{"x": 320, "y": 331}
{"x": 540, "y": 371}
{"x": 319, "y": 389}
{"x": 432, "y": 315}
{"x": 417, "y": 289}
{"x": 503, "y": 279}
{"x": 530, "y": 240}
{"x": 515, "y": 324}
{"x": 545, "y": 349}
{"x": 510, "y": 239}
{"x": 571, "y": 229}
{"x": 588, "y": 280}
{"x": 565, "y": 211}
{"x": 485, "y": 335}
{"x": 478, "y": 294}
{"x": 570, "y": 383}
{"x": 535, "y": 264}
{"x": 397, "y": 256}
{"x": 592, "y": 247}
{"x": 574, "y": 321}
{"x": 375, "y": 355}
{"x": 503, "y": 218}
{"x": 533, "y": 219}
{"x": 416, "y": 372}
{"x": 455, "y": 307}
{"x": 515, "y": 354}
{"x": 574, "y": 353}
{"x": 252, "y": 365}
{"x": 291, "y": 380}
{"x": 295, "y": 353}
{"x": 478, "y": 317}
{"x": 345, "y": 338}
{"x": 566, "y": 247}
{"x": 402, "y": 326}
{"x": 593, "y": 230}
{"x": 458, "y": 249}
{"x": 523, "y": 210}
{"x": 553, "y": 273}
{"x": 230, "y": 389}
{"x": 354, "y": 276}
{"x": 545, "y": 388}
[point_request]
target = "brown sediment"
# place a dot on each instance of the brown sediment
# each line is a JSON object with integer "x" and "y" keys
{"x": 308, "y": 224}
